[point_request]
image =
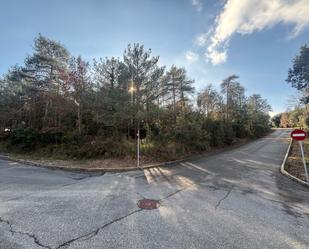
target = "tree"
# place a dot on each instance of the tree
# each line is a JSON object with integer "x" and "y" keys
{"x": 143, "y": 71}
{"x": 109, "y": 73}
{"x": 209, "y": 101}
{"x": 13, "y": 101}
{"x": 177, "y": 87}
{"x": 298, "y": 75}
{"x": 276, "y": 120}
{"x": 47, "y": 71}
{"x": 234, "y": 97}
{"x": 284, "y": 120}
{"x": 145, "y": 75}
{"x": 256, "y": 104}
{"x": 54, "y": 103}
{"x": 258, "y": 117}
{"x": 79, "y": 85}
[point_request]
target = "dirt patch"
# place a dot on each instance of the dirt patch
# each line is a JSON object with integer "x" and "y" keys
{"x": 294, "y": 164}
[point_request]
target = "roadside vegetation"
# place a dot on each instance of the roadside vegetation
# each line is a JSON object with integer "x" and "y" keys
{"x": 294, "y": 164}
{"x": 61, "y": 106}
{"x": 297, "y": 116}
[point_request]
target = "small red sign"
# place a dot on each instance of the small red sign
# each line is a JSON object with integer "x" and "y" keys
{"x": 298, "y": 135}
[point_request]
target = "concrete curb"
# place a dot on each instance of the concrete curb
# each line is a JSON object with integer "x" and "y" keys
{"x": 79, "y": 169}
{"x": 284, "y": 172}
{"x": 112, "y": 170}
{"x": 115, "y": 170}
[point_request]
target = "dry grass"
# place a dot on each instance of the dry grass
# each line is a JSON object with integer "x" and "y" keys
{"x": 89, "y": 164}
{"x": 294, "y": 163}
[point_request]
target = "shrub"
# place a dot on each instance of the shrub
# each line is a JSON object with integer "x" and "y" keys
{"x": 24, "y": 139}
{"x": 229, "y": 134}
{"x": 100, "y": 147}
{"x": 215, "y": 130}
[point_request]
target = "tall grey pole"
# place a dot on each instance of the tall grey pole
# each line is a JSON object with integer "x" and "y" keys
{"x": 304, "y": 161}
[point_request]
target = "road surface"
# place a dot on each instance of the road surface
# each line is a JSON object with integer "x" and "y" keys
{"x": 235, "y": 199}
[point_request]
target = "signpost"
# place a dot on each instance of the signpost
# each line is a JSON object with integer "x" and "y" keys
{"x": 138, "y": 147}
{"x": 301, "y": 135}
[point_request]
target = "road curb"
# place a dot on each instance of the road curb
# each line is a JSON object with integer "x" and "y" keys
{"x": 115, "y": 170}
{"x": 284, "y": 172}
{"x": 79, "y": 169}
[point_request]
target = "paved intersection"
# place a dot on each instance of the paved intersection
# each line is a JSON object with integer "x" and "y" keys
{"x": 235, "y": 199}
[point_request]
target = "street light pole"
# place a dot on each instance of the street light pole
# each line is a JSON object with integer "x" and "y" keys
{"x": 132, "y": 89}
{"x": 138, "y": 147}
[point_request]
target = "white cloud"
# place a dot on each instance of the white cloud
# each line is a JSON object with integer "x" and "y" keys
{"x": 248, "y": 16}
{"x": 197, "y": 4}
{"x": 216, "y": 57}
{"x": 201, "y": 39}
{"x": 191, "y": 56}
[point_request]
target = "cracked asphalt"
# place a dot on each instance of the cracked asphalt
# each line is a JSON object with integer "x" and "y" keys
{"x": 235, "y": 199}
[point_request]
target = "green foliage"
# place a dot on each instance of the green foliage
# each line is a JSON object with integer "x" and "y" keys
{"x": 295, "y": 118}
{"x": 102, "y": 148}
{"x": 215, "y": 129}
{"x": 58, "y": 104}
{"x": 298, "y": 75}
{"x": 229, "y": 134}
{"x": 30, "y": 139}
{"x": 276, "y": 120}
{"x": 189, "y": 132}
{"x": 25, "y": 139}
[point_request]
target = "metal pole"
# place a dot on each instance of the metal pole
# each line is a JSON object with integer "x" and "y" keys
{"x": 138, "y": 144}
{"x": 131, "y": 90}
{"x": 303, "y": 157}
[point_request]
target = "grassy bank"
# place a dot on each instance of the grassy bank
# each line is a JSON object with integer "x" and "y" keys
{"x": 294, "y": 164}
{"x": 150, "y": 154}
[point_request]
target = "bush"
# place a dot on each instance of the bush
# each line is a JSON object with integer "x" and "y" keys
{"x": 229, "y": 134}
{"x": 215, "y": 130}
{"x": 24, "y": 139}
{"x": 191, "y": 135}
{"x": 100, "y": 147}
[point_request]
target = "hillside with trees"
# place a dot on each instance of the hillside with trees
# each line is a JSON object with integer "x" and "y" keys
{"x": 58, "y": 104}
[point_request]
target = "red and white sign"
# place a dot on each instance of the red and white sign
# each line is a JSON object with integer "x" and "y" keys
{"x": 298, "y": 135}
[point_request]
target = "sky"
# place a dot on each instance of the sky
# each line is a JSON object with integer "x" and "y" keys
{"x": 254, "y": 39}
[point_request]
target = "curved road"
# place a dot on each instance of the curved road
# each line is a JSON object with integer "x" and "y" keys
{"x": 235, "y": 199}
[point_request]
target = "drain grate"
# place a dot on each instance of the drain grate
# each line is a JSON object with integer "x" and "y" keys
{"x": 148, "y": 204}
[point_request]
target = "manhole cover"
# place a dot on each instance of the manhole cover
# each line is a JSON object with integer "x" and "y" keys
{"x": 148, "y": 204}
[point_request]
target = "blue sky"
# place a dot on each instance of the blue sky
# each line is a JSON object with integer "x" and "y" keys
{"x": 255, "y": 39}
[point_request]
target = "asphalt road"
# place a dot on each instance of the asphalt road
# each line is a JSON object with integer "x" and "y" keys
{"x": 235, "y": 199}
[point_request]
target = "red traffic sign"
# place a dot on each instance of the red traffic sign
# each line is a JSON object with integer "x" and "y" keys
{"x": 298, "y": 135}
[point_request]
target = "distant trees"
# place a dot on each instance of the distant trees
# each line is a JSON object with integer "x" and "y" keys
{"x": 298, "y": 77}
{"x": 58, "y": 103}
{"x": 293, "y": 118}
{"x": 234, "y": 97}
{"x": 210, "y": 102}
{"x": 276, "y": 120}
